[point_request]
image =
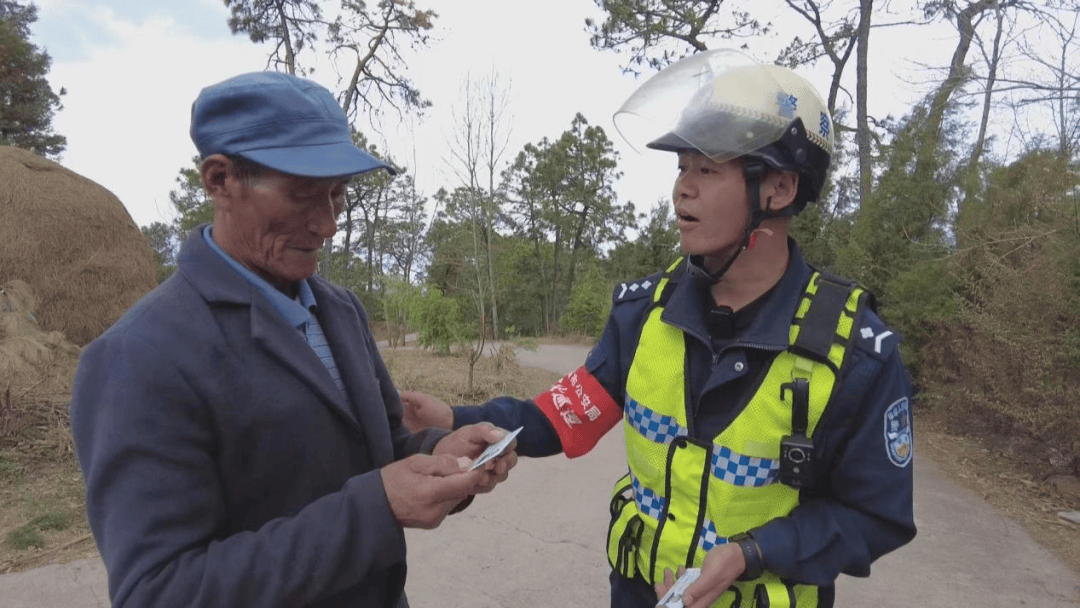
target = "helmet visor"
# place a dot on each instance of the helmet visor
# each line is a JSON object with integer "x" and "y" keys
{"x": 721, "y": 103}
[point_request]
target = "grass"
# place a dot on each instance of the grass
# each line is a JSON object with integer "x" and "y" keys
{"x": 446, "y": 377}
{"x": 21, "y": 539}
{"x": 42, "y": 513}
{"x": 42, "y": 509}
{"x": 7, "y": 466}
{"x": 1003, "y": 479}
{"x": 30, "y": 534}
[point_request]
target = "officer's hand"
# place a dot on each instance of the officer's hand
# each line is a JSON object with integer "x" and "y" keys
{"x": 423, "y": 411}
{"x": 422, "y": 489}
{"x": 469, "y": 441}
{"x": 669, "y": 580}
{"x": 722, "y": 565}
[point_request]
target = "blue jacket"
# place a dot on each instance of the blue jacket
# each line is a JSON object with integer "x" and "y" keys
{"x": 223, "y": 465}
{"x": 861, "y": 506}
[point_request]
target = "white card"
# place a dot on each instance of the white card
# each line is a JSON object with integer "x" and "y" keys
{"x": 673, "y": 597}
{"x": 495, "y": 449}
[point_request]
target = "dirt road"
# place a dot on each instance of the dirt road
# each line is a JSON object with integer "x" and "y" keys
{"x": 537, "y": 541}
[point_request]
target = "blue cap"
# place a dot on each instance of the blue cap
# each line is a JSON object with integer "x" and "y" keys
{"x": 279, "y": 121}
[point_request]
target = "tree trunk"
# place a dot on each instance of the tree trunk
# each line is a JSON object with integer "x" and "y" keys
{"x": 477, "y": 238}
{"x": 362, "y": 61}
{"x": 290, "y": 58}
{"x": 496, "y": 102}
{"x": 472, "y": 366}
{"x": 828, "y": 45}
{"x": 991, "y": 78}
{"x": 370, "y": 246}
{"x": 955, "y": 78}
{"x": 556, "y": 270}
{"x": 866, "y": 174}
{"x": 1065, "y": 81}
{"x": 347, "y": 245}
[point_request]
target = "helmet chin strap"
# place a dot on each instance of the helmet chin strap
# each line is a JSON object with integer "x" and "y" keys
{"x": 753, "y": 171}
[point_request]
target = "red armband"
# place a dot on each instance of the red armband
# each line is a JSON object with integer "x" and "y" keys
{"x": 580, "y": 410}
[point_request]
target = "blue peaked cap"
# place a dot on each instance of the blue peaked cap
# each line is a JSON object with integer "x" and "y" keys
{"x": 286, "y": 123}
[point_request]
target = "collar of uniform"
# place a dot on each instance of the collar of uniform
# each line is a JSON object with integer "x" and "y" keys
{"x": 296, "y": 313}
{"x": 770, "y": 326}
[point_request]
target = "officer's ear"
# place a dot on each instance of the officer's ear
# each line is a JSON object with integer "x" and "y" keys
{"x": 780, "y": 189}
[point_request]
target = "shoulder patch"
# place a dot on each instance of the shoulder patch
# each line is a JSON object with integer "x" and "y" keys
{"x": 634, "y": 290}
{"x": 898, "y": 439}
{"x": 873, "y": 336}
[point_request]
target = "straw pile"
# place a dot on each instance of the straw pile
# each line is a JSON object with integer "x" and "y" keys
{"x": 37, "y": 368}
{"x": 73, "y": 242}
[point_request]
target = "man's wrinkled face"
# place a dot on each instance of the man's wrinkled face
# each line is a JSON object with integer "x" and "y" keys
{"x": 280, "y": 222}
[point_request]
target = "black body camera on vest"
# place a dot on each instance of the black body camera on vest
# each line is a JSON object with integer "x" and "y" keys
{"x": 796, "y": 449}
{"x": 797, "y": 461}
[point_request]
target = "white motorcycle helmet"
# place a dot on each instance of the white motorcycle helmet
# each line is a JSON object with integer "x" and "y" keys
{"x": 725, "y": 105}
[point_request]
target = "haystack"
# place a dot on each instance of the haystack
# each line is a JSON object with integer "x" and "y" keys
{"x": 37, "y": 368}
{"x": 30, "y": 356}
{"x": 72, "y": 242}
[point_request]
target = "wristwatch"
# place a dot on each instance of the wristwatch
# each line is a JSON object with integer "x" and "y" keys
{"x": 751, "y": 553}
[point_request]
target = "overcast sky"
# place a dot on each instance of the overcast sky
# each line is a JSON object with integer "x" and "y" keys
{"x": 131, "y": 70}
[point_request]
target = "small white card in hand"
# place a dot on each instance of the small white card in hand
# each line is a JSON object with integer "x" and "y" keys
{"x": 495, "y": 449}
{"x": 673, "y": 597}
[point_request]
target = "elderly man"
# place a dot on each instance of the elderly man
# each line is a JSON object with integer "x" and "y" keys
{"x": 241, "y": 438}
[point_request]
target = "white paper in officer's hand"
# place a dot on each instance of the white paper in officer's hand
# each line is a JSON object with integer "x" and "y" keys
{"x": 495, "y": 449}
{"x": 673, "y": 597}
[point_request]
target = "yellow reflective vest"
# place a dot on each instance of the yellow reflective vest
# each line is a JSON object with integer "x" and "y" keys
{"x": 683, "y": 496}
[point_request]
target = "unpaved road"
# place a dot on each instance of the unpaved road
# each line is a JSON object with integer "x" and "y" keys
{"x": 538, "y": 542}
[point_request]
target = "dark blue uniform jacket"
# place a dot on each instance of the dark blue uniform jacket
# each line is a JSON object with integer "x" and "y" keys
{"x": 861, "y": 505}
{"x": 223, "y": 465}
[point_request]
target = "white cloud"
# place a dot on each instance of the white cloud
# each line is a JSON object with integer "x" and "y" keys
{"x": 130, "y": 89}
{"x": 132, "y": 70}
{"x": 127, "y": 104}
{"x": 542, "y": 49}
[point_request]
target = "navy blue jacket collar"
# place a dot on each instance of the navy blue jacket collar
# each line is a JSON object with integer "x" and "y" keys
{"x": 220, "y": 285}
{"x": 686, "y": 308}
{"x": 296, "y": 311}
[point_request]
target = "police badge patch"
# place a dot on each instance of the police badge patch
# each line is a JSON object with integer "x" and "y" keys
{"x": 898, "y": 432}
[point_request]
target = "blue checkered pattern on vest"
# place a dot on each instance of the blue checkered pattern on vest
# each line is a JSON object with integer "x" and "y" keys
{"x": 709, "y": 538}
{"x": 745, "y": 471}
{"x": 648, "y": 502}
{"x": 317, "y": 339}
{"x": 655, "y": 427}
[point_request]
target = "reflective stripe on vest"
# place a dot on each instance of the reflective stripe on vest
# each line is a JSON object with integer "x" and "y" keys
{"x": 683, "y": 496}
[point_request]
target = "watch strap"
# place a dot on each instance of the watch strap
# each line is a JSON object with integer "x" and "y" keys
{"x": 751, "y": 551}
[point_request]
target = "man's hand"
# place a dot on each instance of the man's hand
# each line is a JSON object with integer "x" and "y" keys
{"x": 423, "y": 411}
{"x": 722, "y": 565}
{"x": 422, "y": 489}
{"x": 469, "y": 441}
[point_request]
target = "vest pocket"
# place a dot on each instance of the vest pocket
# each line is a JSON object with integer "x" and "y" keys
{"x": 624, "y": 533}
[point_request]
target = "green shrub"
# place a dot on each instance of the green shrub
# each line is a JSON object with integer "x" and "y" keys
{"x": 590, "y": 303}
{"x": 438, "y": 321}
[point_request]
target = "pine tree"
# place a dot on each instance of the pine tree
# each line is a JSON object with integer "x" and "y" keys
{"x": 27, "y": 102}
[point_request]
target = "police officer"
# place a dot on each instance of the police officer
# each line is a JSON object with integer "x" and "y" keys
{"x": 765, "y": 406}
